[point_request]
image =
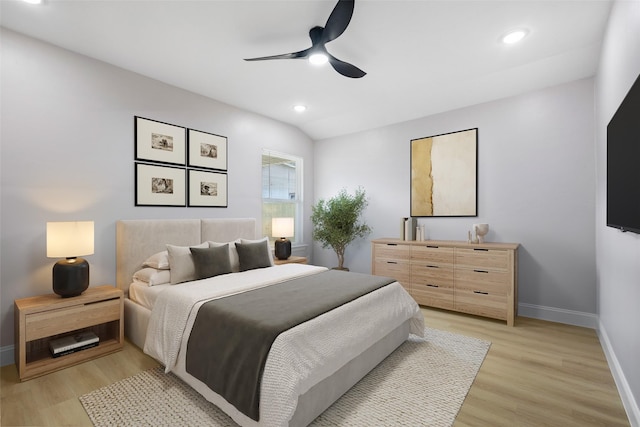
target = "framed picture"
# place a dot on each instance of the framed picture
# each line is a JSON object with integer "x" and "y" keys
{"x": 160, "y": 185}
{"x": 207, "y": 189}
{"x": 207, "y": 150}
{"x": 444, "y": 175}
{"x": 160, "y": 142}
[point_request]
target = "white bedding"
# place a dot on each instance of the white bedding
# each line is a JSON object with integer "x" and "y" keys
{"x": 174, "y": 306}
{"x": 307, "y": 353}
{"x": 146, "y": 295}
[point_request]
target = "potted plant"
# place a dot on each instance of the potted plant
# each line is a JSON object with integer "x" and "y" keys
{"x": 336, "y": 222}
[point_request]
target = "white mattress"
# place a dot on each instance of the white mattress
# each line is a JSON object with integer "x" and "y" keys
{"x": 146, "y": 295}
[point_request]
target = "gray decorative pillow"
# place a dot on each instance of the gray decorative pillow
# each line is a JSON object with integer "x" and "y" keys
{"x": 233, "y": 254}
{"x": 211, "y": 261}
{"x": 253, "y": 255}
{"x": 264, "y": 239}
{"x": 181, "y": 262}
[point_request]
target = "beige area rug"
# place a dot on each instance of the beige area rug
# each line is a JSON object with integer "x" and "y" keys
{"x": 422, "y": 383}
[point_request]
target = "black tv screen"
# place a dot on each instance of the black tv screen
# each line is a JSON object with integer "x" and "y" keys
{"x": 623, "y": 164}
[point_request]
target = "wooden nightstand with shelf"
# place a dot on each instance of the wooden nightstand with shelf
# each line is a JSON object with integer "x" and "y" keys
{"x": 42, "y": 318}
{"x": 291, "y": 260}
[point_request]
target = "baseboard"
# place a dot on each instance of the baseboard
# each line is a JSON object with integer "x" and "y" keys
{"x": 590, "y": 320}
{"x": 552, "y": 314}
{"x": 628, "y": 401}
{"x": 7, "y": 356}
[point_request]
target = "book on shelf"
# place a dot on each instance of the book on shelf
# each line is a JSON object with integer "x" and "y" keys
{"x": 72, "y": 343}
{"x": 73, "y": 350}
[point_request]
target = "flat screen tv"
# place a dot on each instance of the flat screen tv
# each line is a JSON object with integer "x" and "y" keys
{"x": 623, "y": 164}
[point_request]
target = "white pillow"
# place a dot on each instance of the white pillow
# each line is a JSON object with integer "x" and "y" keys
{"x": 182, "y": 267}
{"x": 152, "y": 276}
{"x": 158, "y": 261}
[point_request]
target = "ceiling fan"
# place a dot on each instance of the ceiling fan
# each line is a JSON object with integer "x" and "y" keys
{"x": 317, "y": 53}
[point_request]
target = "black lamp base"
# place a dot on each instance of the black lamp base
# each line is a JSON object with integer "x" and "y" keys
{"x": 70, "y": 277}
{"x": 283, "y": 248}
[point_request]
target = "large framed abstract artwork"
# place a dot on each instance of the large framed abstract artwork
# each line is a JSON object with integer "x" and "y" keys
{"x": 444, "y": 175}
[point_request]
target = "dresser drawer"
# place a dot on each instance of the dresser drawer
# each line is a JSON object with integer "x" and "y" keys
{"x": 441, "y": 297}
{"x": 492, "y": 282}
{"x": 431, "y": 276}
{"x": 432, "y": 254}
{"x": 391, "y": 251}
{"x": 487, "y": 305}
{"x": 398, "y": 269}
{"x": 493, "y": 259}
{"x": 48, "y": 323}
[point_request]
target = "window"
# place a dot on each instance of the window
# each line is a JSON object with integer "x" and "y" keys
{"x": 281, "y": 192}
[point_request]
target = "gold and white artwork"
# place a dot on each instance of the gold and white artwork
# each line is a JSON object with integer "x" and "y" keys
{"x": 443, "y": 175}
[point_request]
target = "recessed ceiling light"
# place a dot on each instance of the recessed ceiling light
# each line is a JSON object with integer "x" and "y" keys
{"x": 514, "y": 36}
{"x": 300, "y": 108}
{"x": 33, "y": 1}
{"x": 318, "y": 59}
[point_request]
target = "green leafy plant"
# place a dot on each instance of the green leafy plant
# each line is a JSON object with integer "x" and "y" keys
{"x": 336, "y": 221}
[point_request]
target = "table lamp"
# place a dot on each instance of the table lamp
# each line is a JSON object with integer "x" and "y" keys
{"x": 70, "y": 240}
{"x": 282, "y": 228}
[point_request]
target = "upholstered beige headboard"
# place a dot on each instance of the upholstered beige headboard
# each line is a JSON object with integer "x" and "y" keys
{"x": 136, "y": 240}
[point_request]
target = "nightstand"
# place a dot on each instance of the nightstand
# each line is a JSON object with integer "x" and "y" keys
{"x": 291, "y": 260}
{"x": 42, "y": 318}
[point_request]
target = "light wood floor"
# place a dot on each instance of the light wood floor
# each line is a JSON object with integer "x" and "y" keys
{"x": 535, "y": 374}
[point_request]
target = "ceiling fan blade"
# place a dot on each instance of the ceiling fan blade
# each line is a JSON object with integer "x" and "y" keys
{"x": 293, "y": 55}
{"x": 338, "y": 20}
{"x": 345, "y": 68}
{"x": 336, "y": 25}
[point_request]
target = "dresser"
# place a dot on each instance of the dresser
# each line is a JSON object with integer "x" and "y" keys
{"x": 479, "y": 279}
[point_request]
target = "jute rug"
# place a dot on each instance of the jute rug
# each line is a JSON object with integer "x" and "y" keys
{"x": 422, "y": 383}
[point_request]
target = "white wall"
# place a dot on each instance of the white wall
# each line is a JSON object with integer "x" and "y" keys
{"x": 536, "y": 179}
{"x": 68, "y": 153}
{"x": 618, "y": 254}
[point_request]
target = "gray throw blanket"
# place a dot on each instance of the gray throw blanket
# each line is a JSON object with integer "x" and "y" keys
{"x": 232, "y": 336}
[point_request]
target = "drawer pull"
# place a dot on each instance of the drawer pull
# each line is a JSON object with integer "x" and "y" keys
{"x": 481, "y": 271}
{"x": 432, "y": 266}
{"x": 392, "y": 262}
{"x": 481, "y": 249}
{"x": 432, "y": 286}
{"x": 392, "y": 244}
{"x": 481, "y": 292}
{"x": 101, "y": 301}
{"x": 432, "y": 246}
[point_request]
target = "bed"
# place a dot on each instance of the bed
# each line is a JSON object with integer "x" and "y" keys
{"x": 309, "y": 365}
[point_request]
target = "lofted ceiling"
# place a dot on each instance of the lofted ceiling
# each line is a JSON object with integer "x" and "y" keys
{"x": 421, "y": 56}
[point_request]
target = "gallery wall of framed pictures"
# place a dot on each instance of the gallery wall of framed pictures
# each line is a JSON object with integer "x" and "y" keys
{"x": 176, "y": 166}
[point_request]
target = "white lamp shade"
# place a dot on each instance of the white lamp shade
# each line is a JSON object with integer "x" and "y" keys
{"x": 282, "y": 227}
{"x": 69, "y": 239}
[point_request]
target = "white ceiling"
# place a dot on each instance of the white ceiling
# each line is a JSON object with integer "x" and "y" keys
{"x": 422, "y": 56}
